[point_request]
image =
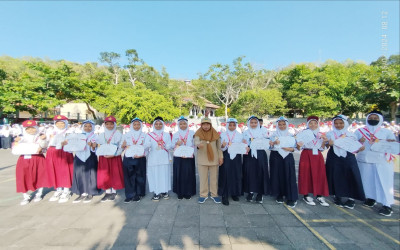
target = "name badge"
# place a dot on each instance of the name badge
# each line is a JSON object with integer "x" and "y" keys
{"x": 27, "y": 156}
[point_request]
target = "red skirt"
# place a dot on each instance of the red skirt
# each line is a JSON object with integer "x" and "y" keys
{"x": 31, "y": 173}
{"x": 60, "y": 167}
{"x": 110, "y": 173}
{"x": 312, "y": 174}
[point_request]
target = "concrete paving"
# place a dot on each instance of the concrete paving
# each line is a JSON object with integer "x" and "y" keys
{"x": 173, "y": 224}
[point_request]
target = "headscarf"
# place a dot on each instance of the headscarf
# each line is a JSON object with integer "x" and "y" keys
{"x": 108, "y": 132}
{"x": 159, "y": 131}
{"x": 28, "y": 137}
{"x": 180, "y": 131}
{"x": 254, "y": 132}
{"x": 90, "y": 136}
{"x": 209, "y": 136}
{"x": 313, "y": 118}
{"x": 227, "y": 125}
{"x": 58, "y": 131}
{"x": 373, "y": 128}
{"x": 279, "y": 132}
{"x": 132, "y": 130}
{"x": 337, "y": 133}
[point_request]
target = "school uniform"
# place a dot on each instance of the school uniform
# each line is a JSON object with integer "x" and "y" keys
{"x": 282, "y": 168}
{"x": 110, "y": 175}
{"x": 85, "y": 167}
{"x": 134, "y": 168}
{"x": 342, "y": 172}
{"x": 59, "y": 164}
{"x": 312, "y": 171}
{"x": 255, "y": 166}
{"x": 6, "y": 137}
{"x": 230, "y": 172}
{"x": 30, "y": 169}
{"x": 158, "y": 161}
{"x": 376, "y": 168}
{"x": 184, "y": 171}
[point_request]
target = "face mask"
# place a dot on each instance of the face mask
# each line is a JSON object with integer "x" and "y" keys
{"x": 373, "y": 122}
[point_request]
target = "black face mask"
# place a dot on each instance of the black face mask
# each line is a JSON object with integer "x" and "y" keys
{"x": 373, "y": 122}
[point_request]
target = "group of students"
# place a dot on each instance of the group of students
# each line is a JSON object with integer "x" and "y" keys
{"x": 344, "y": 174}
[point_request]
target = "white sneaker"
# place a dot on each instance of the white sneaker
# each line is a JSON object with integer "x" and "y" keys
{"x": 56, "y": 196}
{"x": 322, "y": 201}
{"x": 309, "y": 201}
{"x": 38, "y": 197}
{"x": 64, "y": 197}
{"x": 25, "y": 201}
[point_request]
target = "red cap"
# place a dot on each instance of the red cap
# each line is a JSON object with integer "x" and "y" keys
{"x": 110, "y": 119}
{"x": 29, "y": 123}
{"x": 313, "y": 117}
{"x": 291, "y": 125}
{"x": 60, "y": 118}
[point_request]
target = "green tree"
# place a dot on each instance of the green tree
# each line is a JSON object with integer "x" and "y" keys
{"x": 259, "y": 102}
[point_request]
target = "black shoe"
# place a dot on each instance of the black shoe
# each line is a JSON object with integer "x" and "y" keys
{"x": 385, "y": 211}
{"x": 112, "y": 196}
{"x": 235, "y": 198}
{"x": 369, "y": 203}
{"x": 225, "y": 200}
{"x": 279, "y": 199}
{"x": 350, "y": 204}
{"x": 88, "y": 199}
{"x": 249, "y": 197}
{"x": 128, "y": 200}
{"x": 136, "y": 198}
{"x": 291, "y": 204}
{"x": 187, "y": 197}
{"x": 165, "y": 196}
{"x": 156, "y": 197}
{"x": 259, "y": 198}
{"x": 79, "y": 199}
{"x": 338, "y": 202}
{"x": 180, "y": 197}
{"x": 105, "y": 198}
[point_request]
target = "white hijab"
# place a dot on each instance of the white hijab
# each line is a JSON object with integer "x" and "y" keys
{"x": 280, "y": 132}
{"x": 28, "y": 138}
{"x": 132, "y": 131}
{"x": 254, "y": 132}
{"x": 90, "y": 136}
{"x": 338, "y": 151}
{"x": 160, "y": 131}
{"x": 373, "y": 128}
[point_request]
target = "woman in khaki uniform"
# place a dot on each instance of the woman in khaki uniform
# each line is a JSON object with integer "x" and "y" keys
{"x": 209, "y": 157}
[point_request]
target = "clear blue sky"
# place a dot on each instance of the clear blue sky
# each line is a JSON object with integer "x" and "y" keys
{"x": 187, "y": 37}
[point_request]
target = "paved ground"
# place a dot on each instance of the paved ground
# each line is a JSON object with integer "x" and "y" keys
{"x": 173, "y": 224}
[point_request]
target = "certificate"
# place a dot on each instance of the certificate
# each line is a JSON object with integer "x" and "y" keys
{"x": 348, "y": 143}
{"x": 134, "y": 150}
{"x": 305, "y": 136}
{"x": 237, "y": 148}
{"x": 259, "y": 144}
{"x": 76, "y": 142}
{"x": 25, "y": 149}
{"x": 386, "y": 147}
{"x": 184, "y": 151}
{"x": 286, "y": 142}
{"x": 106, "y": 149}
